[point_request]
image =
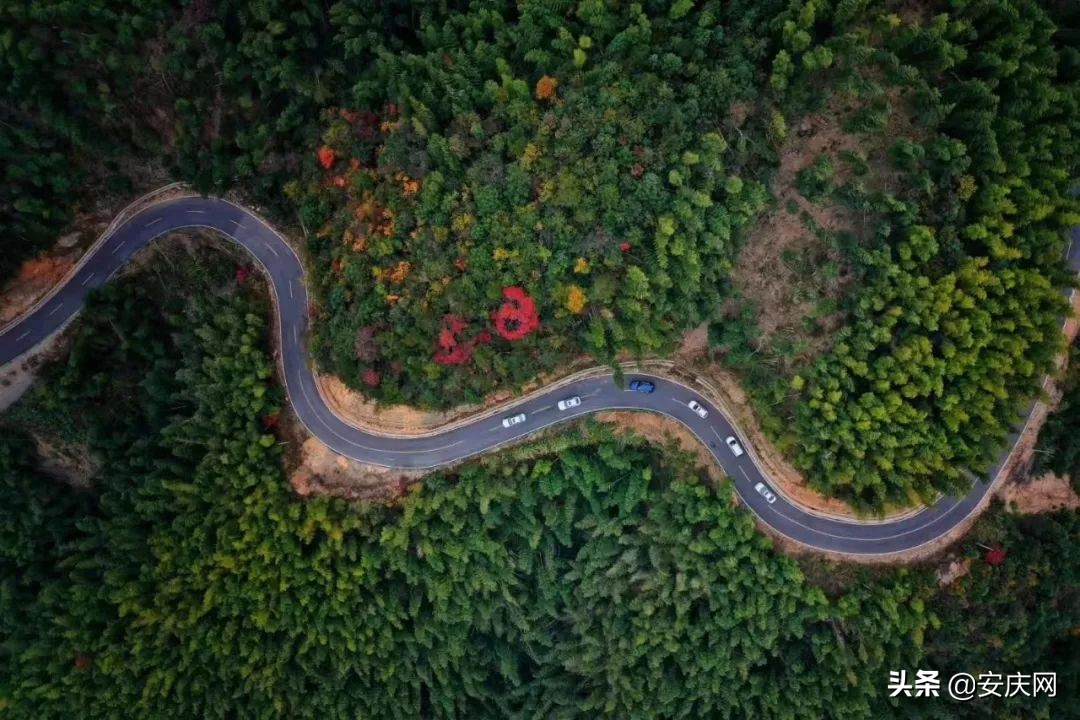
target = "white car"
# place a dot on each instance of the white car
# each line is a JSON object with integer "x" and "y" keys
{"x": 513, "y": 420}
{"x": 765, "y": 493}
{"x": 696, "y": 407}
{"x": 570, "y": 402}
{"x": 734, "y": 446}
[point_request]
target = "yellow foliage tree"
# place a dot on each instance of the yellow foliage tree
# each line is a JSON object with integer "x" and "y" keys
{"x": 576, "y": 299}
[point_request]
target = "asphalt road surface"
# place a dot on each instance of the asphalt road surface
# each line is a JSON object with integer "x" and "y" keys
{"x": 860, "y": 537}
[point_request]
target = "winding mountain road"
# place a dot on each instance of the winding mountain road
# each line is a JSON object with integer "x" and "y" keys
{"x": 286, "y": 274}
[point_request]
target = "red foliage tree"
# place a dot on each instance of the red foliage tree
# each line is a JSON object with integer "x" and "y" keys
{"x": 624, "y": 246}
{"x": 327, "y": 156}
{"x": 242, "y": 274}
{"x": 271, "y": 421}
{"x": 516, "y": 317}
{"x": 450, "y": 349}
{"x": 995, "y": 555}
{"x": 371, "y": 377}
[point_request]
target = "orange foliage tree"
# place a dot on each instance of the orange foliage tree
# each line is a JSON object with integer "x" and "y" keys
{"x": 545, "y": 88}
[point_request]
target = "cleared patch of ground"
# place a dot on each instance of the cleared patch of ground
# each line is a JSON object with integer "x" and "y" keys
{"x": 790, "y": 271}
{"x": 694, "y": 344}
{"x": 359, "y": 410}
{"x": 1046, "y": 493}
{"x": 952, "y": 570}
{"x": 68, "y": 463}
{"x": 323, "y": 472}
{"x": 15, "y": 379}
{"x": 35, "y": 278}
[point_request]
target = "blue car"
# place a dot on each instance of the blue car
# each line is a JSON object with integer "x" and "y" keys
{"x": 642, "y": 386}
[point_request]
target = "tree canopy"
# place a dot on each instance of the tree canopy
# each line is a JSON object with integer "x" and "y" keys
{"x": 492, "y": 190}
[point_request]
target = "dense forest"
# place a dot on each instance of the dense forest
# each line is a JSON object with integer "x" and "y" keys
{"x": 580, "y": 576}
{"x": 489, "y": 190}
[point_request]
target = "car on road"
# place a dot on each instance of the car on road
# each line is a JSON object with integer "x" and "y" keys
{"x": 513, "y": 420}
{"x": 734, "y": 446}
{"x": 698, "y": 410}
{"x": 642, "y": 386}
{"x": 570, "y": 402}
{"x": 765, "y": 493}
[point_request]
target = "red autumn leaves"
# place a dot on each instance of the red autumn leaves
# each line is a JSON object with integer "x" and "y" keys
{"x": 514, "y": 319}
{"x": 452, "y": 348}
{"x": 327, "y": 157}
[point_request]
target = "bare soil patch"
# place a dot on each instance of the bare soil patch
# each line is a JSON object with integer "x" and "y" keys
{"x": 915, "y": 12}
{"x": 68, "y": 463}
{"x": 952, "y": 570}
{"x": 694, "y": 344}
{"x": 789, "y": 270}
{"x": 360, "y": 411}
{"x": 323, "y": 472}
{"x": 36, "y": 277}
{"x": 15, "y": 379}
{"x": 1044, "y": 494}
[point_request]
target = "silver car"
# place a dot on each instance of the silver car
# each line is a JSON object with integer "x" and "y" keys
{"x": 570, "y": 402}
{"x": 734, "y": 446}
{"x": 513, "y": 420}
{"x": 765, "y": 493}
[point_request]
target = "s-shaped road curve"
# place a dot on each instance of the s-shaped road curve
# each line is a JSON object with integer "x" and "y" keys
{"x": 286, "y": 273}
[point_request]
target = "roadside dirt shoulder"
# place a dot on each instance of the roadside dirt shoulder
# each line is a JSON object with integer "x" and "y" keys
{"x": 1044, "y": 494}
{"x": 366, "y": 414}
{"x": 321, "y": 471}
